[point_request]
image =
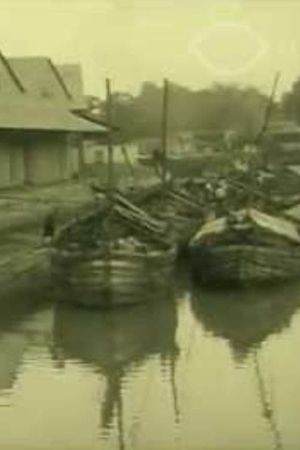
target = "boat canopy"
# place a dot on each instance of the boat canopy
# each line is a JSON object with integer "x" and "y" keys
{"x": 275, "y": 225}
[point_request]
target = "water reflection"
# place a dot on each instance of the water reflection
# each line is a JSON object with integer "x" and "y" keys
{"x": 267, "y": 408}
{"x": 114, "y": 344}
{"x": 117, "y": 370}
{"x": 246, "y": 318}
{"x": 15, "y": 309}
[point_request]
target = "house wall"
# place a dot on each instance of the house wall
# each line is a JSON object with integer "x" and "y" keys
{"x": 11, "y": 163}
{"x": 38, "y": 158}
{"x": 46, "y": 159}
{"x": 4, "y": 165}
{"x": 73, "y": 154}
{"x": 96, "y": 153}
{"x": 17, "y": 172}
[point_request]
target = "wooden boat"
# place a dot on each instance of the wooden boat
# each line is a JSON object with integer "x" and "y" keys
{"x": 112, "y": 257}
{"x": 116, "y": 255}
{"x": 246, "y": 246}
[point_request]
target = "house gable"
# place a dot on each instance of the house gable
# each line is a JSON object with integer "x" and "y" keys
{"x": 41, "y": 79}
{"x": 72, "y": 77}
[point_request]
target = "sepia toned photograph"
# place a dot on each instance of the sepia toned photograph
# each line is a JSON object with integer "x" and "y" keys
{"x": 149, "y": 224}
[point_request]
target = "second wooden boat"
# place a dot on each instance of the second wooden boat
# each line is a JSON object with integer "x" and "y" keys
{"x": 246, "y": 246}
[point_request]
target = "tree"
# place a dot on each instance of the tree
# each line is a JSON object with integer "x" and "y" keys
{"x": 219, "y": 108}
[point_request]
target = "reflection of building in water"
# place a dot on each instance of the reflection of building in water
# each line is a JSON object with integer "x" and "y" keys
{"x": 114, "y": 342}
{"x": 245, "y": 318}
{"x": 21, "y": 325}
{"x": 12, "y": 348}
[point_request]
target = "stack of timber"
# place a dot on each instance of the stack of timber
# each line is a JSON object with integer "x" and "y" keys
{"x": 178, "y": 209}
{"x": 115, "y": 255}
{"x": 246, "y": 246}
{"x": 180, "y": 206}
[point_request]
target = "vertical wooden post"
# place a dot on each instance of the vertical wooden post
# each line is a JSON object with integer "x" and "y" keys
{"x": 110, "y": 161}
{"x": 127, "y": 161}
{"x": 109, "y": 194}
{"x": 164, "y": 131}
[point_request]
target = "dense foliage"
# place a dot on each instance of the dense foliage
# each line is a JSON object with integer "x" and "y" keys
{"x": 221, "y": 107}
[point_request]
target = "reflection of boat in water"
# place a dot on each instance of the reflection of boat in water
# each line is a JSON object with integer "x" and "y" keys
{"x": 245, "y": 318}
{"x": 113, "y": 342}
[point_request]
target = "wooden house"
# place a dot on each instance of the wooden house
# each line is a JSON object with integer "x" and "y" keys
{"x": 40, "y": 135}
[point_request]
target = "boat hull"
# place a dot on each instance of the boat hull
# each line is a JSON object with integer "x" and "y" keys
{"x": 243, "y": 264}
{"x": 120, "y": 278}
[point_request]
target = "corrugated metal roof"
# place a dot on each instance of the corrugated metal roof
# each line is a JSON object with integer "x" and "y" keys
{"x": 36, "y": 115}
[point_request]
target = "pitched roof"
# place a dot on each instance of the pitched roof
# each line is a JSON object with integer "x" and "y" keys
{"x": 29, "y": 115}
{"x": 34, "y": 96}
{"x": 40, "y": 78}
{"x": 10, "y": 83}
{"x": 71, "y": 74}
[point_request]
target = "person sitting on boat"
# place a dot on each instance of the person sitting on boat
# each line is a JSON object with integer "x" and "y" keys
{"x": 220, "y": 196}
{"x": 208, "y": 191}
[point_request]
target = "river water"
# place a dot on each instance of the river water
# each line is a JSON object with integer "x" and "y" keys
{"x": 205, "y": 370}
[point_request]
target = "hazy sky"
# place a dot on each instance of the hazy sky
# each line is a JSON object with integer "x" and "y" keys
{"x": 193, "y": 42}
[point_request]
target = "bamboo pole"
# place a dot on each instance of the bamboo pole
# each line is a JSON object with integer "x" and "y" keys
{"x": 109, "y": 192}
{"x": 260, "y": 135}
{"x": 268, "y": 110}
{"x": 110, "y": 161}
{"x": 164, "y": 131}
{"x": 128, "y": 162}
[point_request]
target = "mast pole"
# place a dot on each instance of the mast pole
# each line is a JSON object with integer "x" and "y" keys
{"x": 110, "y": 161}
{"x": 264, "y": 127}
{"x": 269, "y": 107}
{"x": 164, "y": 131}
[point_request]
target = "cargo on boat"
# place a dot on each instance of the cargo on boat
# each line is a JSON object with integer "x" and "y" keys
{"x": 246, "y": 246}
{"x": 116, "y": 255}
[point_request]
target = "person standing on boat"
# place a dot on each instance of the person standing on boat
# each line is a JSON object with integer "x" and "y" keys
{"x": 220, "y": 197}
{"x": 157, "y": 160}
{"x": 49, "y": 227}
